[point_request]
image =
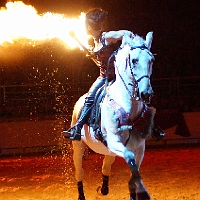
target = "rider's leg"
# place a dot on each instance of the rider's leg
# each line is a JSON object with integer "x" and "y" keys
{"x": 74, "y": 133}
{"x": 157, "y": 132}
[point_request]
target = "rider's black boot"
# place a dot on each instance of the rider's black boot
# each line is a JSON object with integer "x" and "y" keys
{"x": 158, "y": 133}
{"x": 74, "y": 133}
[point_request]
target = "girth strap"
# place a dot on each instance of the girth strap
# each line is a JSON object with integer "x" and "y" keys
{"x": 123, "y": 116}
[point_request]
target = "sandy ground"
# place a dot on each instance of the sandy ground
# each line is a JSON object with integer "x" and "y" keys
{"x": 168, "y": 174}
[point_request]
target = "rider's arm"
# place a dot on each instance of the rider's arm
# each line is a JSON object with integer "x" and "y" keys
{"x": 114, "y": 36}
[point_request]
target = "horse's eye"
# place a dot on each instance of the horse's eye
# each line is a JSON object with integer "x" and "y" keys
{"x": 134, "y": 61}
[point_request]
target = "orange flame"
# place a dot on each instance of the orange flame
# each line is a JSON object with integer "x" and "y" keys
{"x": 20, "y": 21}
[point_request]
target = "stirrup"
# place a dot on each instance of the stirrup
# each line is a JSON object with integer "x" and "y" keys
{"x": 73, "y": 133}
{"x": 158, "y": 133}
{"x": 99, "y": 136}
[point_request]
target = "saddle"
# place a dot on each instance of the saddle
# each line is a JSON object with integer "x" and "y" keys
{"x": 95, "y": 115}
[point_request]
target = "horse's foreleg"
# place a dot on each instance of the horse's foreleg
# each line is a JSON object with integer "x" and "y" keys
{"x": 139, "y": 155}
{"x": 136, "y": 187}
{"x": 118, "y": 148}
{"x": 107, "y": 162}
{"x": 79, "y": 148}
{"x": 130, "y": 159}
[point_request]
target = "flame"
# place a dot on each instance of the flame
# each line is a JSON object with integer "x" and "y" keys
{"x": 21, "y": 21}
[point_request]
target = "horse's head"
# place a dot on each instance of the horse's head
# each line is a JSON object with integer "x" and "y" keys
{"x": 134, "y": 66}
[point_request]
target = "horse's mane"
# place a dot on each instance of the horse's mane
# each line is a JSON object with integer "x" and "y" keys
{"x": 138, "y": 39}
{"x": 135, "y": 40}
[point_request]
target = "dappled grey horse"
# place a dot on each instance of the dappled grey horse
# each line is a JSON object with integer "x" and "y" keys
{"x": 126, "y": 120}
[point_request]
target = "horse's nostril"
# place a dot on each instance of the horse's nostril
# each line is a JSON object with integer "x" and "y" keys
{"x": 146, "y": 97}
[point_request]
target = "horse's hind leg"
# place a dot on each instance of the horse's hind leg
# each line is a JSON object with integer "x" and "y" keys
{"x": 79, "y": 148}
{"x": 81, "y": 195}
{"x": 107, "y": 162}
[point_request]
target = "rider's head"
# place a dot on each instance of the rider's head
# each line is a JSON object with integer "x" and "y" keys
{"x": 94, "y": 19}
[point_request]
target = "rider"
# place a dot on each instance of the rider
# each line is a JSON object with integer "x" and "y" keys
{"x": 106, "y": 43}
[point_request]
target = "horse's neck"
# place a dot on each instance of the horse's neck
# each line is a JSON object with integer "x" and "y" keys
{"x": 123, "y": 98}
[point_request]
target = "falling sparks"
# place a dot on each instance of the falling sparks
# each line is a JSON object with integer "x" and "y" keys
{"x": 19, "y": 21}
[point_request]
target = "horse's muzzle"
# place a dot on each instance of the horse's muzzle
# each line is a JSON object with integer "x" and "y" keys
{"x": 146, "y": 97}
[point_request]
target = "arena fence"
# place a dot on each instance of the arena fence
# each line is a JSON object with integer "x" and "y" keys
{"x": 49, "y": 100}
{"x": 32, "y": 117}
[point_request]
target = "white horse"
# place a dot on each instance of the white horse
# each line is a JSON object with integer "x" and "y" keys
{"x": 128, "y": 94}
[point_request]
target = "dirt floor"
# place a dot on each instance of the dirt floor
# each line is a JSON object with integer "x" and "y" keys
{"x": 168, "y": 174}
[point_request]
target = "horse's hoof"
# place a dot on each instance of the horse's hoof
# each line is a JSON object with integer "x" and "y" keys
{"x": 133, "y": 196}
{"x": 143, "y": 196}
{"x": 102, "y": 190}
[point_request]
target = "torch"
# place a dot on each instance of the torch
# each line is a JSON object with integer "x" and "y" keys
{"x": 71, "y": 33}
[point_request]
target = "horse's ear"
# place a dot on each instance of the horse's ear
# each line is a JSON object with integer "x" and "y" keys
{"x": 149, "y": 39}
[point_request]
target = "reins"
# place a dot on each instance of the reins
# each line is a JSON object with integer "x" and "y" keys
{"x": 108, "y": 65}
{"x": 135, "y": 85}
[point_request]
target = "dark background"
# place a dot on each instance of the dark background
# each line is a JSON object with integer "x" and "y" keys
{"x": 175, "y": 24}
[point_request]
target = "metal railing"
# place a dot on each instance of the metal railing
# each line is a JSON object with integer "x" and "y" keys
{"x": 36, "y": 99}
{"x": 177, "y": 86}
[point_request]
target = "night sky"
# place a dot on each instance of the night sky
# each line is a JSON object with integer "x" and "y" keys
{"x": 175, "y": 25}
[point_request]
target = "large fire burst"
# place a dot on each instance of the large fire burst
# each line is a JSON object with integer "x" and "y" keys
{"x": 19, "y": 21}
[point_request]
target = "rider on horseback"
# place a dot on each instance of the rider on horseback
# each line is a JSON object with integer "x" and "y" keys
{"x": 106, "y": 43}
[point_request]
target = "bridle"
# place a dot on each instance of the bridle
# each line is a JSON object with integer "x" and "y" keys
{"x": 136, "y": 81}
